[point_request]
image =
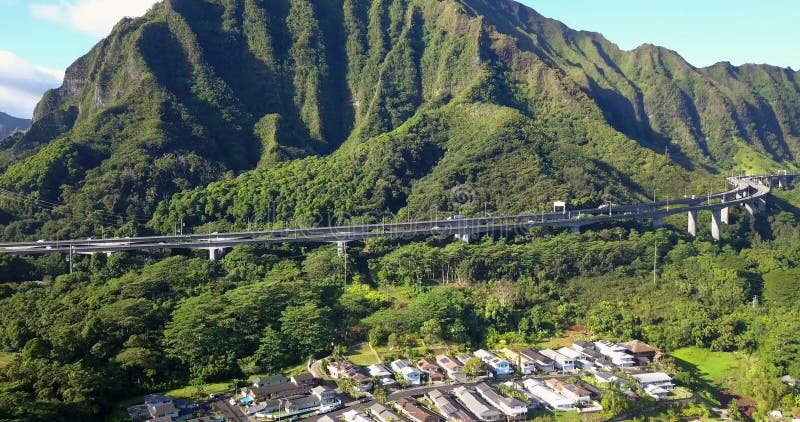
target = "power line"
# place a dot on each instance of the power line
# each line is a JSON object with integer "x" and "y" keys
{"x": 103, "y": 217}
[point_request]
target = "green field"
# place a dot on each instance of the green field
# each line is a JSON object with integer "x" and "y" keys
{"x": 754, "y": 162}
{"x": 717, "y": 368}
{"x": 201, "y": 392}
{"x": 712, "y": 372}
{"x": 361, "y": 354}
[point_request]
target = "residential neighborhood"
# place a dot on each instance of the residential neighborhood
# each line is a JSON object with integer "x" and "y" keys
{"x": 514, "y": 383}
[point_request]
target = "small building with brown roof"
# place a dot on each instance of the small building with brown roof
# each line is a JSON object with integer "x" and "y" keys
{"x": 382, "y": 413}
{"x": 416, "y": 412}
{"x": 430, "y": 367}
{"x": 448, "y": 407}
{"x": 642, "y": 351}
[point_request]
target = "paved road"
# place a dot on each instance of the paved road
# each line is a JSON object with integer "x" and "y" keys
{"x": 745, "y": 190}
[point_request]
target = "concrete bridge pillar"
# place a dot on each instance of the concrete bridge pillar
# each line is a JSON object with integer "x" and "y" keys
{"x": 692, "y": 225}
{"x": 762, "y": 204}
{"x": 341, "y": 248}
{"x": 215, "y": 253}
{"x": 463, "y": 237}
{"x": 724, "y": 214}
{"x": 750, "y": 211}
{"x": 716, "y": 217}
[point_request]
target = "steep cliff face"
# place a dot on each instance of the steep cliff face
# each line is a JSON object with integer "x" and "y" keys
{"x": 196, "y": 88}
{"x": 652, "y": 95}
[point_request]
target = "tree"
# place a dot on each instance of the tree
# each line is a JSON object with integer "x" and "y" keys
{"x": 307, "y": 328}
{"x": 379, "y": 391}
{"x": 339, "y": 352}
{"x": 473, "y": 367}
{"x": 431, "y": 330}
{"x": 271, "y": 354}
{"x": 614, "y": 401}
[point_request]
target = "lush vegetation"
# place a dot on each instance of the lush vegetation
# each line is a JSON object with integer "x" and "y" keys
{"x": 139, "y": 323}
{"x": 228, "y": 114}
{"x": 414, "y": 99}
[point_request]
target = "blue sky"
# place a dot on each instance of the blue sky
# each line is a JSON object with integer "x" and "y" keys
{"x": 704, "y": 32}
{"x": 40, "y": 38}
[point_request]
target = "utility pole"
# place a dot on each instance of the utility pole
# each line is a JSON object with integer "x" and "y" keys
{"x": 655, "y": 261}
{"x": 344, "y": 250}
{"x": 70, "y": 259}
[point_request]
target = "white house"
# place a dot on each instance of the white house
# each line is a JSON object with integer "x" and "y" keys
{"x": 581, "y": 360}
{"x": 655, "y": 379}
{"x": 498, "y": 366}
{"x": 617, "y": 354}
{"x": 563, "y": 363}
{"x": 547, "y": 396}
{"x": 409, "y": 373}
{"x": 382, "y": 374}
{"x": 655, "y": 392}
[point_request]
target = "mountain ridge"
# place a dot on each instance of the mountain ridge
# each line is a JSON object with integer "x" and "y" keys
{"x": 10, "y": 125}
{"x": 194, "y": 93}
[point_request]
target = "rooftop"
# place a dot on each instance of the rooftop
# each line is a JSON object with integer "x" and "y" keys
{"x": 473, "y": 403}
{"x": 637, "y": 346}
{"x": 653, "y": 377}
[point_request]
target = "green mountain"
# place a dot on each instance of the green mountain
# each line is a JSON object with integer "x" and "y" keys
{"x": 296, "y": 109}
{"x": 224, "y": 114}
{"x": 10, "y": 125}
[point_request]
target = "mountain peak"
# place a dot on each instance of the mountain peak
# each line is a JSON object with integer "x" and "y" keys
{"x": 197, "y": 90}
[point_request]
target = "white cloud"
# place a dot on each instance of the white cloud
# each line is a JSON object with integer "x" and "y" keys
{"x": 22, "y": 84}
{"x": 95, "y": 17}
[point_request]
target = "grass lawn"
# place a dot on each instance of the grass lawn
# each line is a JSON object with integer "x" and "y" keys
{"x": 714, "y": 372}
{"x": 191, "y": 392}
{"x": 5, "y": 358}
{"x": 361, "y": 354}
{"x": 715, "y": 367}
